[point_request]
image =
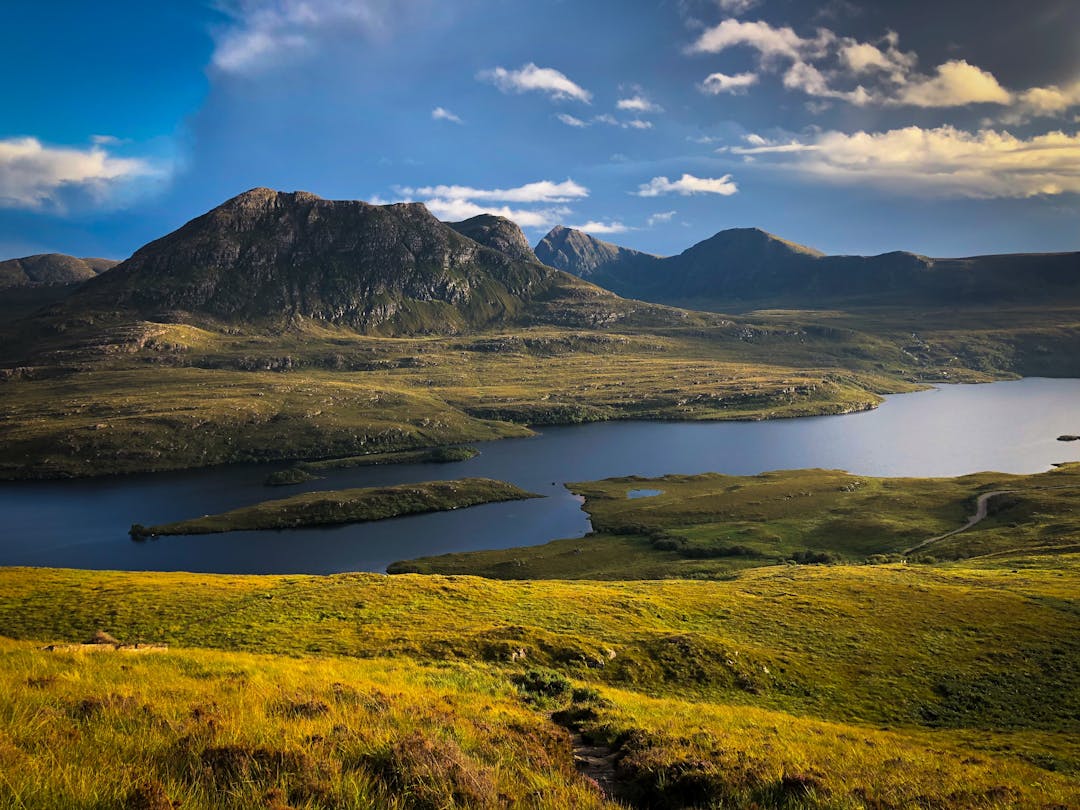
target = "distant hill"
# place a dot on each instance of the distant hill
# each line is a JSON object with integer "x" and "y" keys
{"x": 273, "y": 256}
{"x": 497, "y": 233}
{"x": 588, "y": 257}
{"x": 750, "y": 266}
{"x": 50, "y": 268}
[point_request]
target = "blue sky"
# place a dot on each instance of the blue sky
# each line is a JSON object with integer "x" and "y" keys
{"x": 854, "y": 127}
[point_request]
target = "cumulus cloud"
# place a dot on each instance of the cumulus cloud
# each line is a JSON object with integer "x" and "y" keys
{"x": 943, "y": 161}
{"x": 443, "y": 114}
{"x": 262, "y": 33}
{"x": 638, "y": 104}
{"x": 688, "y": 185}
{"x": 530, "y": 78}
{"x": 593, "y": 226}
{"x": 34, "y": 175}
{"x": 955, "y": 83}
{"x": 717, "y": 83}
{"x": 454, "y": 203}
{"x": 660, "y": 218}
{"x": 828, "y": 66}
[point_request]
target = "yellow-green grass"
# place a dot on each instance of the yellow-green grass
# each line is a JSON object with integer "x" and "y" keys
{"x": 714, "y": 525}
{"x": 816, "y": 686}
{"x": 339, "y": 506}
{"x": 228, "y": 730}
{"x": 985, "y": 648}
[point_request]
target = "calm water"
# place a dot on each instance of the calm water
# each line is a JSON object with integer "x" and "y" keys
{"x": 953, "y": 430}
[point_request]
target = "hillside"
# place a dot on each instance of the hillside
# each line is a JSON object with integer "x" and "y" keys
{"x": 747, "y": 266}
{"x": 793, "y": 686}
{"x": 50, "y": 268}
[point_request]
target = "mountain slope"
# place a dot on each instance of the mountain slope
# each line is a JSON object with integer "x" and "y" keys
{"x": 50, "y": 268}
{"x": 497, "y": 233}
{"x": 748, "y": 265}
{"x": 588, "y": 257}
{"x": 268, "y": 255}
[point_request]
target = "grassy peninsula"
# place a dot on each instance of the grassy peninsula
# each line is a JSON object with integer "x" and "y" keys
{"x": 345, "y": 506}
{"x": 708, "y": 526}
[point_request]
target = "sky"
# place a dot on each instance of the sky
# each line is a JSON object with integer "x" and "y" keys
{"x": 945, "y": 127}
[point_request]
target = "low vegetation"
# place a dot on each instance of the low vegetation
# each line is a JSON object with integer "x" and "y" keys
{"x": 714, "y": 525}
{"x": 345, "y": 506}
{"x": 887, "y": 686}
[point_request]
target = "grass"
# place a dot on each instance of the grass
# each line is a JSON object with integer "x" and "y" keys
{"x": 815, "y": 686}
{"x": 716, "y": 525}
{"x": 345, "y": 506}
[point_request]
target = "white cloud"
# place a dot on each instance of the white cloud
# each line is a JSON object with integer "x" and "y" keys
{"x": 593, "y": 226}
{"x": 35, "y": 176}
{"x": 807, "y": 78}
{"x": 454, "y": 203}
{"x": 717, "y": 83}
{"x": 543, "y": 191}
{"x": 455, "y": 210}
{"x": 688, "y": 185}
{"x": 944, "y": 161}
{"x": 637, "y": 123}
{"x": 763, "y": 146}
{"x": 532, "y": 78}
{"x": 956, "y": 83}
{"x": 443, "y": 114}
{"x": 612, "y": 121}
{"x": 660, "y": 218}
{"x": 571, "y": 121}
{"x": 265, "y": 33}
{"x": 638, "y": 104}
{"x": 762, "y": 37}
{"x": 1051, "y": 100}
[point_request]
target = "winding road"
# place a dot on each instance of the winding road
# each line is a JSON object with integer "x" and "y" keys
{"x": 982, "y": 506}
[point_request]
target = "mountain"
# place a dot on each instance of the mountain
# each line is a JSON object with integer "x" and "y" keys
{"x": 588, "y": 257}
{"x": 50, "y": 268}
{"x": 743, "y": 266}
{"x": 497, "y": 233}
{"x": 273, "y": 256}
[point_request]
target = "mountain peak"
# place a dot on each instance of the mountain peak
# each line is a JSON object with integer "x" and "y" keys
{"x": 583, "y": 255}
{"x": 266, "y": 254}
{"x": 497, "y": 233}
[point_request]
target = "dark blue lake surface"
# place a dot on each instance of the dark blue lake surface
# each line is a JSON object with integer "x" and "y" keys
{"x": 952, "y": 430}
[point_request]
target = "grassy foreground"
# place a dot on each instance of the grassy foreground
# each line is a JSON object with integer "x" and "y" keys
{"x": 712, "y": 525}
{"x": 813, "y": 686}
{"x": 346, "y": 506}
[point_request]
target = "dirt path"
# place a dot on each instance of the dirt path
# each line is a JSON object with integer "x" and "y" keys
{"x": 596, "y": 763}
{"x": 982, "y": 508}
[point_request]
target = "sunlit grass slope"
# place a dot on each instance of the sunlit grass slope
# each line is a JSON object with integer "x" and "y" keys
{"x": 812, "y": 686}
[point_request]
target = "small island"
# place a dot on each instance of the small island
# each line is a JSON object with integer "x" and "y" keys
{"x": 308, "y": 470}
{"x": 1068, "y": 438}
{"x": 345, "y": 506}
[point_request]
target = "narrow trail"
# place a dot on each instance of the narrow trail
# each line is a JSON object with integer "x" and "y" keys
{"x": 982, "y": 508}
{"x": 596, "y": 763}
